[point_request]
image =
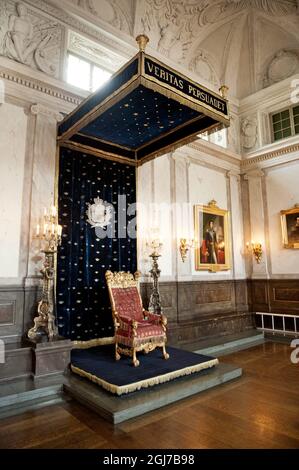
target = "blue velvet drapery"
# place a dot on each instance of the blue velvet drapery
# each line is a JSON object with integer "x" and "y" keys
{"x": 83, "y": 306}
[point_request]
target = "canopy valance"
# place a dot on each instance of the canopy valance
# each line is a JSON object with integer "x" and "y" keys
{"x": 143, "y": 111}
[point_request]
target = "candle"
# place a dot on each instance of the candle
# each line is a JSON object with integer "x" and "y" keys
{"x": 53, "y": 211}
{"x": 37, "y": 230}
{"x": 53, "y": 229}
{"x": 59, "y": 230}
{"x": 45, "y": 228}
{"x": 45, "y": 212}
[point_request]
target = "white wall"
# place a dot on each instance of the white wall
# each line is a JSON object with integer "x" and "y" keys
{"x": 189, "y": 176}
{"x": 282, "y": 185}
{"x": 168, "y": 189}
{"x": 162, "y": 198}
{"x": 13, "y": 128}
{"x": 205, "y": 185}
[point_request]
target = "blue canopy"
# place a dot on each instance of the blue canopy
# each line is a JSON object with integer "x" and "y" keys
{"x": 145, "y": 109}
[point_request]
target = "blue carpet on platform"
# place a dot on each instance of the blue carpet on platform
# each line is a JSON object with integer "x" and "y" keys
{"x": 99, "y": 365}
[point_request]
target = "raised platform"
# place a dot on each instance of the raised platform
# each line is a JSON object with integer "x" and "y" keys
{"x": 98, "y": 365}
{"x": 19, "y": 394}
{"x": 118, "y": 409}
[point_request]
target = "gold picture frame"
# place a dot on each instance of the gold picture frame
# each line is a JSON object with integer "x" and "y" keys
{"x": 212, "y": 242}
{"x": 290, "y": 227}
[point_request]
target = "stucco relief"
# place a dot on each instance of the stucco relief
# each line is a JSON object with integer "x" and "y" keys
{"x": 283, "y": 65}
{"x": 96, "y": 53}
{"x": 86, "y": 5}
{"x": 201, "y": 65}
{"x": 30, "y": 38}
{"x": 172, "y": 24}
{"x": 233, "y": 134}
{"x": 249, "y": 132}
{"x": 118, "y": 13}
{"x": 176, "y": 23}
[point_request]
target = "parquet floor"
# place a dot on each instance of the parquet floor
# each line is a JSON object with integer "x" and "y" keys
{"x": 260, "y": 410}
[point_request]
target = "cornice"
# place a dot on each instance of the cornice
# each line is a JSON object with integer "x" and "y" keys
{"x": 216, "y": 151}
{"x": 267, "y": 97}
{"x": 272, "y": 158}
{"x": 40, "y": 86}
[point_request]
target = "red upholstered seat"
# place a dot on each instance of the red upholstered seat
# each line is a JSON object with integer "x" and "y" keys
{"x": 135, "y": 329}
{"x": 144, "y": 330}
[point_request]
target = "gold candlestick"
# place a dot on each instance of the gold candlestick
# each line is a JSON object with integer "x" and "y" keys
{"x": 44, "y": 322}
{"x": 155, "y": 299}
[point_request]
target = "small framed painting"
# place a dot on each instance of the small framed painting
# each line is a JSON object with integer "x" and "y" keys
{"x": 212, "y": 244}
{"x": 290, "y": 227}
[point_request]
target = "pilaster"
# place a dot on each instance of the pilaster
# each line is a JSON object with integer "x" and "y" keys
{"x": 237, "y": 235}
{"x": 257, "y": 219}
{"x": 43, "y": 175}
{"x": 182, "y": 213}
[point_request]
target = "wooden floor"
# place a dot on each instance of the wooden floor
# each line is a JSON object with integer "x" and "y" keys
{"x": 260, "y": 410}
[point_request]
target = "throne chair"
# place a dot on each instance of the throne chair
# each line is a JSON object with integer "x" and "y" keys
{"x": 135, "y": 328}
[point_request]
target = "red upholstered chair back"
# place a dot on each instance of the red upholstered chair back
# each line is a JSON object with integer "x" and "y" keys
{"x": 127, "y": 302}
{"x": 124, "y": 294}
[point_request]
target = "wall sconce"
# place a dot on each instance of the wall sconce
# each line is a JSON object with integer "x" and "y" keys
{"x": 185, "y": 246}
{"x": 257, "y": 250}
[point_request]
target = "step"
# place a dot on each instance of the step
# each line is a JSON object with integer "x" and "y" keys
{"x": 278, "y": 337}
{"x": 31, "y": 405}
{"x": 22, "y": 395}
{"x": 226, "y": 345}
{"x": 118, "y": 409}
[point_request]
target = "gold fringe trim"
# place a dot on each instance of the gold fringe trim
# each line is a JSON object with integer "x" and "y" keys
{"x": 160, "y": 379}
{"x": 93, "y": 342}
{"x": 170, "y": 92}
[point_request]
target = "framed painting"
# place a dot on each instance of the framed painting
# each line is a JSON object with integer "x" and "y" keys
{"x": 212, "y": 243}
{"x": 290, "y": 227}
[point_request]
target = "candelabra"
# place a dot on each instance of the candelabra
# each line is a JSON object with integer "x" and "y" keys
{"x": 44, "y": 322}
{"x": 155, "y": 301}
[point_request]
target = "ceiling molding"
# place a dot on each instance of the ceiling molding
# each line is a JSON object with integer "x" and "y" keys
{"x": 272, "y": 158}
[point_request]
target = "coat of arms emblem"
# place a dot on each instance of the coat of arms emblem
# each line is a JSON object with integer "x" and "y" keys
{"x": 99, "y": 214}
